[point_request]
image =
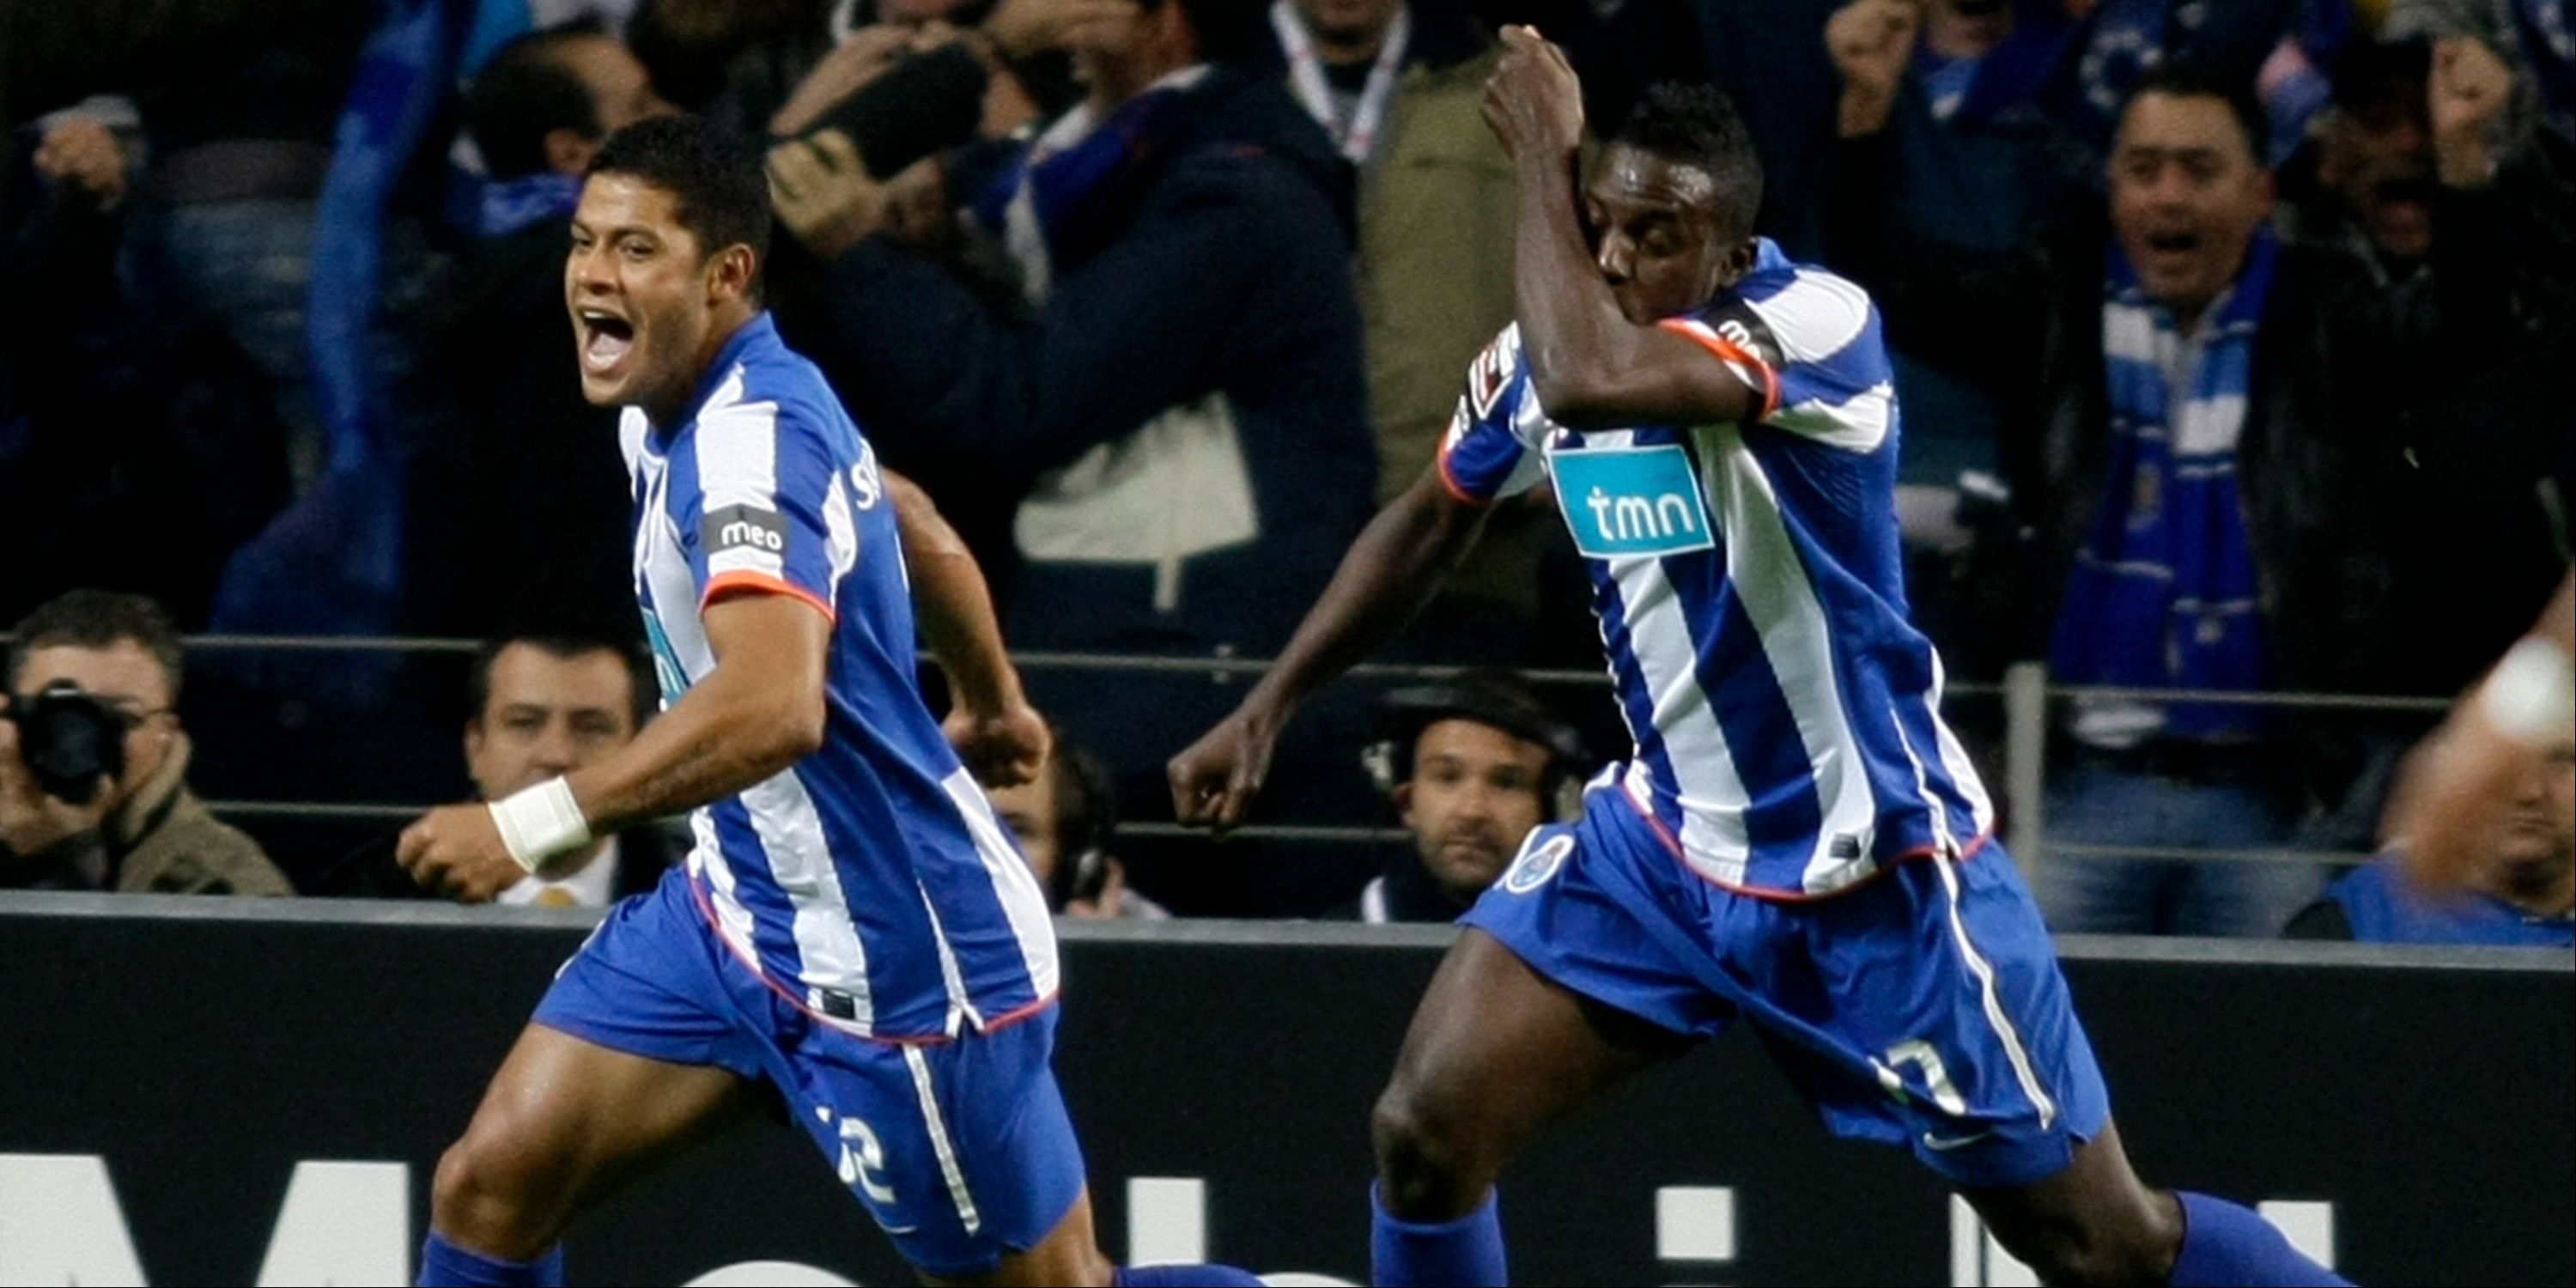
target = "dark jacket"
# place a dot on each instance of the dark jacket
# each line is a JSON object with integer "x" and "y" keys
{"x": 2485, "y": 453}
{"x": 2318, "y": 462}
{"x": 1221, "y": 265}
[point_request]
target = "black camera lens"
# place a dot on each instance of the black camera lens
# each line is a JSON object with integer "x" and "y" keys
{"x": 70, "y": 741}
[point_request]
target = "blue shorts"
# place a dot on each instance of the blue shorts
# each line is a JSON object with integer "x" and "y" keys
{"x": 961, "y": 1150}
{"x": 1923, "y": 1008}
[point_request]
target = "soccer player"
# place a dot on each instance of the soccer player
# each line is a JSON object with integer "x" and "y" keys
{"x": 852, "y": 927}
{"x": 1797, "y": 841}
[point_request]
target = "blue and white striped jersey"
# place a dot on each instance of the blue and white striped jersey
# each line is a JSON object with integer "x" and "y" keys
{"x": 1751, "y": 595}
{"x": 868, "y": 884}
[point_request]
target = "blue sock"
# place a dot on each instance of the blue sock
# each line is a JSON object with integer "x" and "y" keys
{"x": 1467, "y": 1251}
{"x": 443, "y": 1263}
{"x": 1183, "y": 1277}
{"x": 2226, "y": 1244}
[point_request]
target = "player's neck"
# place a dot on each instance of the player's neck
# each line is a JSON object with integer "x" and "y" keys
{"x": 670, "y": 410}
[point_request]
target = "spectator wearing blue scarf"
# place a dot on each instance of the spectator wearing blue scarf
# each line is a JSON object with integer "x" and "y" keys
{"x": 2201, "y": 469}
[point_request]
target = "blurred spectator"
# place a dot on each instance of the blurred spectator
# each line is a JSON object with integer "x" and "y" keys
{"x": 2196, "y": 457}
{"x": 2537, "y": 37}
{"x": 1185, "y": 327}
{"x": 2406, "y": 115}
{"x": 236, "y": 101}
{"x": 1066, "y": 819}
{"x": 548, "y": 705}
{"x": 513, "y": 459}
{"x": 2524, "y": 895}
{"x": 1163, "y": 421}
{"x": 1472, "y": 766}
{"x": 1951, "y": 87}
{"x": 1399, "y": 86}
{"x": 732, "y": 62}
{"x": 138, "y": 829}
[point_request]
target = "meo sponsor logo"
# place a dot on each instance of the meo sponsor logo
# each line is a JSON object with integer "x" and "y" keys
{"x": 741, "y": 527}
{"x": 1628, "y": 502}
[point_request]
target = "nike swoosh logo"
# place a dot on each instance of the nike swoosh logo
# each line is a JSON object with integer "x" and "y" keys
{"x": 1946, "y": 1143}
{"x": 899, "y": 1229}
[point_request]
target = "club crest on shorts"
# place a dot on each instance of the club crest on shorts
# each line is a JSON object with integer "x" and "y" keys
{"x": 1537, "y": 863}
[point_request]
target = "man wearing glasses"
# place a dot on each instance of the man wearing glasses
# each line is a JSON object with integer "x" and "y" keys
{"x": 139, "y": 830}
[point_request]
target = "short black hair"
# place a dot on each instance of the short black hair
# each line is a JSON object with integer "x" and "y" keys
{"x": 1086, "y": 813}
{"x": 2193, "y": 80}
{"x": 99, "y": 619}
{"x": 525, "y": 93}
{"x": 1698, "y": 125}
{"x": 643, "y": 692}
{"x": 716, "y": 183}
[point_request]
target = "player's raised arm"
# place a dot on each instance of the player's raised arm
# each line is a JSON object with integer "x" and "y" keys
{"x": 1391, "y": 570}
{"x": 1594, "y": 365}
{"x": 990, "y": 722}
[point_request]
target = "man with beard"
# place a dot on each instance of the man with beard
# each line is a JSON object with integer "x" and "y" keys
{"x": 1472, "y": 766}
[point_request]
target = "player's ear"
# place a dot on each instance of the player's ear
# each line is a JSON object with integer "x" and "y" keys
{"x": 729, "y": 274}
{"x": 1402, "y": 797}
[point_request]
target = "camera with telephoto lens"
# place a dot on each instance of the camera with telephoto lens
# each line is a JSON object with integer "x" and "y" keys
{"x": 70, "y": 741}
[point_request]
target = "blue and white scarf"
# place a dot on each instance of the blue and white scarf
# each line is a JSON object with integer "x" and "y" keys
{"x": 2164, "y": 593}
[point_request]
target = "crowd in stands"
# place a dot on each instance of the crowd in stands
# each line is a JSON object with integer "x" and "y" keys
{"x": 2231, "y": 338}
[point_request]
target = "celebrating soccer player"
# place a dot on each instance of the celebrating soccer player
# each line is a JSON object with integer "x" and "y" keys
{"x": 1797, "y": 840}
{"x": 853, "y": 927}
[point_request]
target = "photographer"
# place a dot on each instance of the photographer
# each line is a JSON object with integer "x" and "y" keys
{"x": 93, "y": 762}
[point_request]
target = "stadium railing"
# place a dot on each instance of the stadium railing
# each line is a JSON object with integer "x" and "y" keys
{"x": 2026, "y": 695}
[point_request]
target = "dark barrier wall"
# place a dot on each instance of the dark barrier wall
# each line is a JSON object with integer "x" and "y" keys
{"x": 165, "y": 1067}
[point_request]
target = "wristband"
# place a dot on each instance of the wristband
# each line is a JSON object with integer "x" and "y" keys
{"x": 541, "y": 822}
{"x": 2531, "y": 693}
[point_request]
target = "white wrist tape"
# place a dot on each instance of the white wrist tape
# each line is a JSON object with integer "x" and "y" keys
{"x": 541, "y": 822}
{"x": 2531, "y": 695}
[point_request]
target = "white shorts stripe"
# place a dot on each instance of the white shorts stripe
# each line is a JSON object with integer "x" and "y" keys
{"x": 938, "y": 1126}
{"x": 1993, "y": 1002}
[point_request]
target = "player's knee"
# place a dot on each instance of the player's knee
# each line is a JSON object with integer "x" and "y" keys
{"x": 485, "y": 1195}
{"x": 1425, "y": 1143}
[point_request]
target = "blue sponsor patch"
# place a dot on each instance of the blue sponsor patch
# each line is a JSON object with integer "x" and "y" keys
{"x": 1625, "y": 502}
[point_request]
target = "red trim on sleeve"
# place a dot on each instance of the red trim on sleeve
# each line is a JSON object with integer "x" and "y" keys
{"x": 743, "y": 582}
{"x": 1728, "y": 351}
{"x": 1450, "y": 481}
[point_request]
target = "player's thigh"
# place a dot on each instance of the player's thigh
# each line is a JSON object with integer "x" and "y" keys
{"x": 1497, "y": 1050}
{"x": 566, "y": 1117}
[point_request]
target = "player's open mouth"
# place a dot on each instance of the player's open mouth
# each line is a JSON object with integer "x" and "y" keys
{"x": 2173, "y": 243}
{"x": 605, "y": 341}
